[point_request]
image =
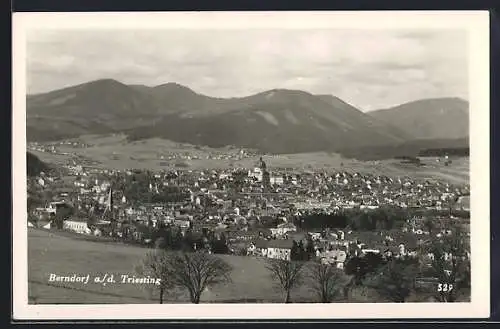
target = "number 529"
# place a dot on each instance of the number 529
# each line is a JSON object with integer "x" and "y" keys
{"x": 444, "y": 287}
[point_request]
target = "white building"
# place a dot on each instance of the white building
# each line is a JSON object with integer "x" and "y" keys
{"x": 256, "y": 173}
{"x": 279, "y": 249}
{"x": 335, "y": 257}
{"x": 284, "y": 228}
{"x": 276, "y": 180}
{"x": 76, "y": 226}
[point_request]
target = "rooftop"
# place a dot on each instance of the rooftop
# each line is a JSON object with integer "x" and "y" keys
{"x": 283, "y": 244}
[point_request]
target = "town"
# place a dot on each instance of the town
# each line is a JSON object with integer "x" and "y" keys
{"x": 255, "y": 212}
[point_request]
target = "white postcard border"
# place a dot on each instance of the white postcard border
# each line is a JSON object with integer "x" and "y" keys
{"x": 477, "y": 25}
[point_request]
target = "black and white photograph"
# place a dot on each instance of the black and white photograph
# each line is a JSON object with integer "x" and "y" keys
{"x": 336, "y": 163}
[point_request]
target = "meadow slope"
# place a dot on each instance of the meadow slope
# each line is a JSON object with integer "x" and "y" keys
{"x": 50, "y": 252}
{"x": 65, "y": 254}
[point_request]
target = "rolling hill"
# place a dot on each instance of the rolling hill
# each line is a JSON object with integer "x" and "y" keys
{"x": 439, "y": 118}
{"x": 275, "y": 121}
{"x": 98, "y": 107}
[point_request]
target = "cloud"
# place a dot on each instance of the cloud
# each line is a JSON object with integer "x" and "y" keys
{"x": 367, "y": 68}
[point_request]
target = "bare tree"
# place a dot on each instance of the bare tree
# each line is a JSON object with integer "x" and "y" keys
{"x": 155, "y": 264}
{"x": 192, "y": 271}
{"x": 197, "y": 271}
{"x": 287, "y": 274}
{"x": 327, "y": 281}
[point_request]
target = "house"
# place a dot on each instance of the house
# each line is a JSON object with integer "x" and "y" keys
{"x": 283, "y": 229}
{"x": 265, "y": 233}
{"x": 275, "y": 231}
{"x": 370, "y": 250}
{"x": 279, "y": 249}
{"x": 55, "y": 206}
{"x": 256, "y": 173}
{"x": 77, "y": 226}
{"x": 260, "y": 247}
{"x": 276, "y": 180}
{"x": 287, "y": 227}
{"x": 42, "y": 212}
{"x": 314, "y": 235}
{"x": 336, "y": 257}
{"x": 182, "y": 223}
{"x": 252, "y": 249}
{"x": 237, "y": 211}
{"x": 240, "y": 220}
{"x": 463, "y": 203}
{"x": 238, "y": 235}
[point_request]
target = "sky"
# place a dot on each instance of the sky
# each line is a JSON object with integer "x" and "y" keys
{"x": 370, "y": 69}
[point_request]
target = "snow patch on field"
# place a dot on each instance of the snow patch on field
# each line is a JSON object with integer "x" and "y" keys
{"x": 62, "y": 100}
{"x": 268, "y": 117}
{"x": 291, "y": 117}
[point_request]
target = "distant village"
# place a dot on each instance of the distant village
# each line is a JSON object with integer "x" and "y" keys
{"x": 252, "y": 212}
{"x": 235, "y": 154}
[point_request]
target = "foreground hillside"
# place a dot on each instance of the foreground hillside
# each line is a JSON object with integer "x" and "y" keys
{"x": 65, "y": 255}
{"x": 276, "y": 121}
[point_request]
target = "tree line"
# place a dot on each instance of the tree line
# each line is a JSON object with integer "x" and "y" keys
{"x": 172, "y": 238}
{"x": 441, "y": 152}
{"x": 354, "y": 219}
{"x": 413, "y": 148}
{"x": 383, "y": 218}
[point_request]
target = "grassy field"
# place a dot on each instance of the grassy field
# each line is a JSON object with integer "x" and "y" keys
{"x": 116, "y": 152}
{"x": 64, "y": 253}
{"x": 56, "y": 253}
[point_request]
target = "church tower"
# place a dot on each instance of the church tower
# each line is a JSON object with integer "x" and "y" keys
{"x": 262, "y": 164}
{"x": 266, "y": 179}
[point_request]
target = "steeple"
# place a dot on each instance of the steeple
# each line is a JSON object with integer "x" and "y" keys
{"x": 265, "y": 173}
{"x": 262, "y": 164}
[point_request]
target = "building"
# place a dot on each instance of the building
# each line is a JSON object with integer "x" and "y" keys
{"x": 336, "y": 257}
{"x": 463, "y": 203}
{"x": 251, "y": 249}
{"x": 55, "y": 206}
{"x": 276, "y": 180}
{"x": 182, "y": 223}
{"x": 259, "y": 247}
{"x": 77, "y": 226}
{"x": 284, "y": 228}
{"x": 256, "y": 173}
{"x": 279, "y": 249}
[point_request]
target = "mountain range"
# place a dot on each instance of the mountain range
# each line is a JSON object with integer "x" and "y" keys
{"x": 274, "y": 121}
{"x": 429, "y": 118}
